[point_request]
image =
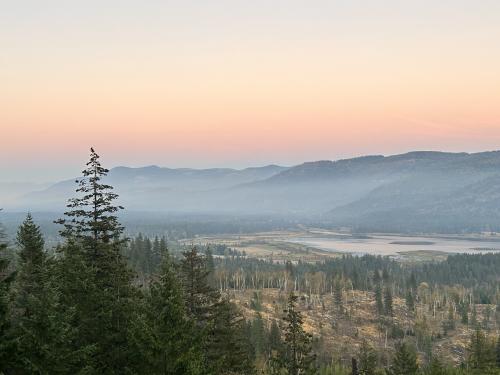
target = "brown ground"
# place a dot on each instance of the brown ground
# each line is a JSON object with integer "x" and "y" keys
{"x": 343, "y": 332}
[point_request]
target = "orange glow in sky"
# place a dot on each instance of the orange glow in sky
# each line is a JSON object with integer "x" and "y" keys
{"x": 237, "y": 83}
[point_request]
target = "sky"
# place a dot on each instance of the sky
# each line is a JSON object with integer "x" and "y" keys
{"x": 241, "y": 83}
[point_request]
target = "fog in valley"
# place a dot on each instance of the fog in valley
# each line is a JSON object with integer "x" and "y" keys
{"x": 418, "y": 192}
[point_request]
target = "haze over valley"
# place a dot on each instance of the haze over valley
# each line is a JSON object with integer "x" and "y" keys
{"x": 416, "y": 192}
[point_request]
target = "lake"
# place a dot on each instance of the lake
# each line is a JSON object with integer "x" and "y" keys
{"x": 392, "y": 244}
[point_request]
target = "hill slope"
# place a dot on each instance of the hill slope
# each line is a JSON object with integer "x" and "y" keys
{"x": 417, "y": 191}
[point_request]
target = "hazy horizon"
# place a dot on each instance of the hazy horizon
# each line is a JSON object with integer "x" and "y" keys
{"x": 44, "y": 176}
{"x": 188, "y": 84}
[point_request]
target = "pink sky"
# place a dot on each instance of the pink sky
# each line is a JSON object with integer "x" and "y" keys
{"x": 236, "y": 85}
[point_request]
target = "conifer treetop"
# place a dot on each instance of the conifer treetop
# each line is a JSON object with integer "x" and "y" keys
{"x": 91, "y": 217}
{"x": 30, "y": 240}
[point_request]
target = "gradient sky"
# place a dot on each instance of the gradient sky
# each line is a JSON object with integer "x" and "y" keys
{"x": 240, "y": 83}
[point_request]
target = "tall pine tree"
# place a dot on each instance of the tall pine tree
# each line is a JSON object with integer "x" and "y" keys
{"x": 275, "y": 344}
{"x": 388, "y": 307}
{"x": 481, "y": 353}
{"x": 228, "y": 347}
{"x": 298, "y": 358}
{"x": 104, "y": 308}
{"x": 218, "y": 319}
{"x": 405, "y": 361}
{"x": 367, "y": 359}
{"x": 337, "y": 295}
{"x": 31, "y": 263}
{"x": 200, "y": 298}
{"x": 173, "y": 343}
{"x": 41, "y": 329}
{"x": 378, "y": 299}
{"x": 92, "y": 217}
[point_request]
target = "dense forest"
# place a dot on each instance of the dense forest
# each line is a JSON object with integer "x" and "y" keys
{"x": 100, "y": 303}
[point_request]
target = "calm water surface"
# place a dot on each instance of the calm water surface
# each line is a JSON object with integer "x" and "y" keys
{"x": 392, "y": 245}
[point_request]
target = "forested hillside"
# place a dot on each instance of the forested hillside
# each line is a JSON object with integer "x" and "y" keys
{"x": 100, "y": 303}
{"x": 431, "y": 192}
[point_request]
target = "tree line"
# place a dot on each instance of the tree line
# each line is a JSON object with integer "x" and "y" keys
{"x": 83, "y": 309}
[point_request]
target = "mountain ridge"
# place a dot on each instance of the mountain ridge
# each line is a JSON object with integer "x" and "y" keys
{"x": 368, "y": 192}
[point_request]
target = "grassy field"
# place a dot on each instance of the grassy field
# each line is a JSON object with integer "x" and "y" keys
{"x": 269, "y": 245}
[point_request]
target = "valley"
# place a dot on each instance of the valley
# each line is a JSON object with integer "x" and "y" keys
{"x": 312, "y": 244}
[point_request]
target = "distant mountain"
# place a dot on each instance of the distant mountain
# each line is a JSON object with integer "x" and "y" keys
{"x": 417, "y": 191}
{"x": 451, "y": 193}
{"x": 9, "y": 191}
{"x": 150, "y": 187}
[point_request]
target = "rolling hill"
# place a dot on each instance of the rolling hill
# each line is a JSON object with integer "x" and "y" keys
{"x": 417, "y": 191}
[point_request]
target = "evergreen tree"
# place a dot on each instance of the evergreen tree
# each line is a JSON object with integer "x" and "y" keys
{"x": 474, "y": 321}
{"x": 451, "y": 313}
{"x": 405, "y": 361}
{"x": 105, "y": 309}
{"x": 385, "y": 276}
{"x": 337, "y": 295}
{"x": 7, "y": 343}
{"x": 159, "y": 248}
{"x": 498, "y": 352}
{"x": 33, "y": 301}
{"x": 435, "y": 367}
{"x": 147, "y": 257}
{"x": 224, "y": 343}
{"x": 255, "y": 302}
{"x": 378, "y": 299}
{"x": 412, "y": 281}
{"x": 163, "y": 245}
{"x": 31, "y": 265}
{"x": 274, "y": 342}
{"x": 172, "y": 339}
{"x": 410, "y": 301}
{"x": 227, "y": 350}
{"x": 388, "y": 309}
{"x": 210, "y": 267}
{"x": 367, "y": 359}
{"x": 31, "y": 246}
{"x": 92, "y": 217}
{"x": 464, "y": 313}
{"x": 449, "y": 324}
{"x": 257, "y": 335}
{"x": 73, "y": 279}
{"x": 201, "y": 299}
{"x": 481, "y": 352}
{"x": 298, "y": 358}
